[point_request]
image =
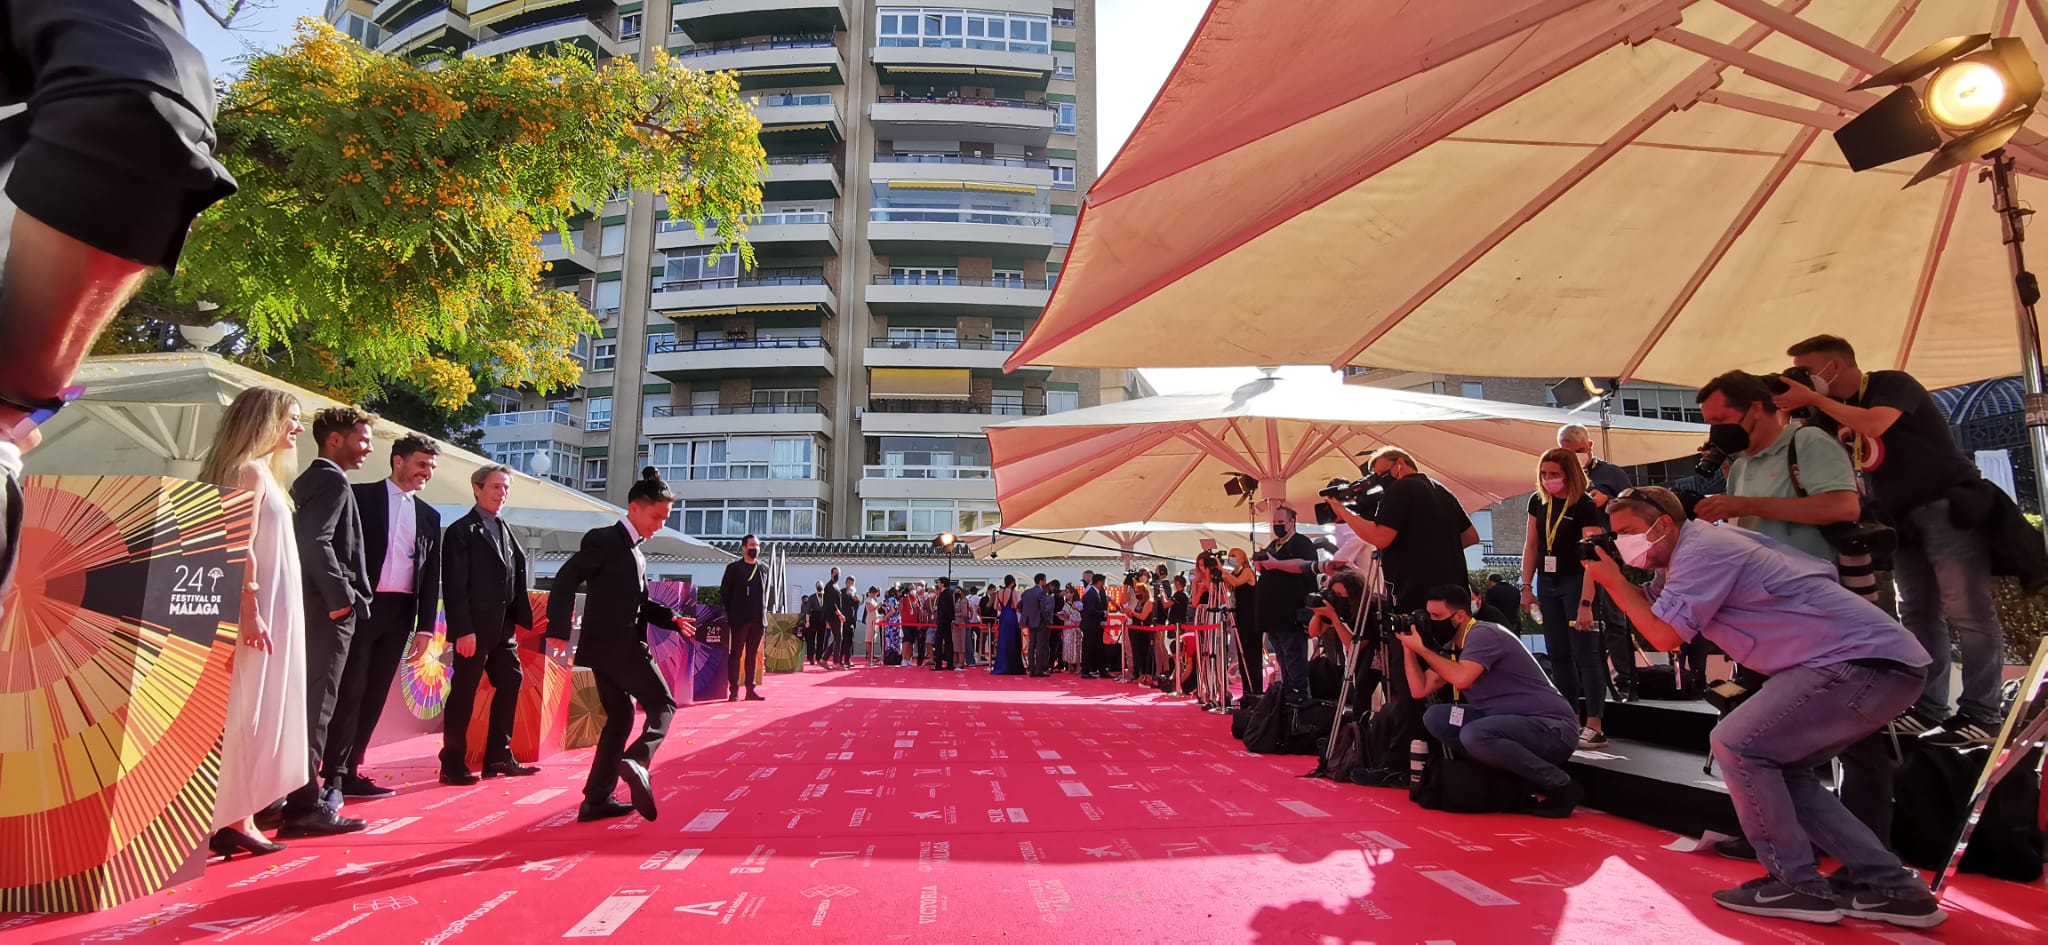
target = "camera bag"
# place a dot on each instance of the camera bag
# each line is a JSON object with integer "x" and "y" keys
{"x": 1463, "y": 786}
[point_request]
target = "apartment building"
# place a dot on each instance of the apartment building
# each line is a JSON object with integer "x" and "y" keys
{"x": 926, "y": 161}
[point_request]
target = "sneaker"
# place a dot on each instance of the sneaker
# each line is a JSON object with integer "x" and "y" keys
{"x": 1735, "y": 848}
{"x": 1913, "y": 909}
{"x": 1767, "y": 897}
{"x": 1959, "y": 732}
{"x": 1910, "y": 725}
{"x": 1591, "y": 739}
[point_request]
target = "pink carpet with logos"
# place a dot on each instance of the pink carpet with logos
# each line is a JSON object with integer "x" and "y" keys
{"x": 899, "y": 805}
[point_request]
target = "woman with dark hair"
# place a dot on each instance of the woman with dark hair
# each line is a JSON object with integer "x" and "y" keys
{"x": 1243, "y": 580}
{"x": 1009, "y": 633}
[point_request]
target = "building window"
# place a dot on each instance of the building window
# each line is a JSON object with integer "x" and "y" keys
{"x": 969, "y": 29}
{"x": 564, "y": 461}
{"x": 581, "y": 349}
{"x": 1473, "y": 389}
{"x": 1057, "y": 401}
{"x": 598, "y": 411}
{"x": 928, "y": 457}
{"x": 785, "y": 395}
{"x": 604, "y": 353}
{"x": 1006, "y": 339}
{"x": 719, "y": 459}
{"x": 1063, "y": 229}
{"x": 1007, "y": 403}
{"x": 1660, "y": 402}
{"x": 1052, "y": 280}
{"x": 1062, "y": 17}
{"x": 1007, "y": 278}
{"x": 1067, "y": 122}
{"x": 1062, "y": 64}
{"x": 921, "y": 337}
{"x": 1033, "y": 208}
{"x": 924, "y": 275}
{"x": 594, "y": 474}
{"x": 606, "y": 298}
{"x": 925, "y": 518}
{"x": 1063, "y": 176}
{"x": 700, "y": 270}
{"x": 735, "y": 518}
{"x": 612, "y": 240}
{"x": 629, "y": 25}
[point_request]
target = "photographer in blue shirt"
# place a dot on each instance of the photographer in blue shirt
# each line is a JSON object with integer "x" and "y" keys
{"x": 1839, "y": 670}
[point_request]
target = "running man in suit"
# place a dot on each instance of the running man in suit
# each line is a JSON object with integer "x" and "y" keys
{"x": 339, "y": 589}
{"x": 484, "y": 572}
{"x": 402, "y": 538}
{"x": 614, "y": 646}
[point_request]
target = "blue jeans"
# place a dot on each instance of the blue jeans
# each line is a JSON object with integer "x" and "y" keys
{"x": 1577, "y": 660}
{"x": 1290, "y": 647}
{"x": 1532, "y": 748}
{"x": 1771, "y": 749}
{"x": 1944, "y": 584}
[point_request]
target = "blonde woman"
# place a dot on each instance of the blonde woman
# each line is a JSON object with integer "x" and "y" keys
{"x": 264, "y": 751}
{"x": 1242, "y": 580}
{"x": 1554, "y": 579}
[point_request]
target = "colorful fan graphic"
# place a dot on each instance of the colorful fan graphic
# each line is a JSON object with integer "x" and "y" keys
{"x": 586, "y": 712}
{"x": 543, "y": 696}
{"x": 693, "y": 668}
{"x": 115, "y": 653}
{"x": 423, "y": 677}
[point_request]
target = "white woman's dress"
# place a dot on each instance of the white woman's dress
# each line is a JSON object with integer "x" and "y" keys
{"x": 264, "y": 755}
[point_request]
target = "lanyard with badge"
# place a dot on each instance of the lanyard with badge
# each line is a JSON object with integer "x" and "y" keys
{"x": 1550, "y": 529}
{"x": 1457, "y": 650}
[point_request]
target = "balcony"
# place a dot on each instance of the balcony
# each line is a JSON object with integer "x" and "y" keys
{"x": 801, "y": 177}
{"x": 565, "y": 261}
{"x": 965, "y": 168}
{"x": 442, "y": 29}
{"x": 737, "y": 419}
{"x": 792, "y": 60}
{"x": 578, "y": 30}
{"x": 993, "y": 120}
{"x": 389, "y": 13}
{"x": 806, "y": 233}
{"x": 752, "y": 356}
{"x": 908, "y": 416}
{"x": 799, "y": 121}
{"x": 997, "y": 63}
{"x": 924, "y": 295}
{"x": 528, "y": 425}
{"x": 928, "y": 482}
{"x": 967, "y": 232}
{"x": 715, "y": 20}
{"x": 763, "y": 293}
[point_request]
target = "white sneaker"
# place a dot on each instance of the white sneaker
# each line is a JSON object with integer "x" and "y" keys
{"x": 1590, "y": 739}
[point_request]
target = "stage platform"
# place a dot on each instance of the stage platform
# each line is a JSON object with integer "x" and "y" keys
{"x": 901, "y": 805}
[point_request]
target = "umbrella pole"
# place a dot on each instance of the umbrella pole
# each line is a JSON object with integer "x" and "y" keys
{"x": 2026, "y": 291}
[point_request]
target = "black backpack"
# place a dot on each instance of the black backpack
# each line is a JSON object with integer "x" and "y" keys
{"x": 892, "y": 658}
{"x": 1463, "y": 786}
{"x": 1271, "y": 729}
{"x": 1933, "y": 788}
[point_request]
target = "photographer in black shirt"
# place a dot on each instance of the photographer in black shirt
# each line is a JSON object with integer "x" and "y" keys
{"x": 1420, "y": 529}
{"x": 1287, "y": 573}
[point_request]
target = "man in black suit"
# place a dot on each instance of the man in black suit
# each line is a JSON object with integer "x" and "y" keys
{"x": 402, "y": 538}
{"x": 484, "y": 577}
{"x": 1094, "y": 611}
{"x": 614, "y": 646}
{"x": 942, "y": 641}
{"x": 828, "y": 632}
{"x": 338, "y": 589}
{"x": 849, "y": 620}
{"x": 743, "y": 593}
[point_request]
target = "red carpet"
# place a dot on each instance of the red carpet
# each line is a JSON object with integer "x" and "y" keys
{"x": 896, "y": 805}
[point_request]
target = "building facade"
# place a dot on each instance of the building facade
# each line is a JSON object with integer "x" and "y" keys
{"x": 926, "y": 161}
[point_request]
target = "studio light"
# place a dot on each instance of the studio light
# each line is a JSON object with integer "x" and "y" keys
{"x": 946, "y": 541}
{"x": 1949, "y": 98}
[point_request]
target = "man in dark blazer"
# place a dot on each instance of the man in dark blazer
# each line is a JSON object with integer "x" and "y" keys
{"x": 1094, "y": 612}
{"x": 946, "y": 612}
{"x": 743, "y": 593}
{"x": 338, "y": 589}
{"x": 402, "y": 539}
{"x": 613, "y": 644}
{"x": 484, "y": 577}
{"x": 1034, "y": 614}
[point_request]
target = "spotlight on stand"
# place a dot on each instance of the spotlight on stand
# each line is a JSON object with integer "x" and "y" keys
{"x": 949, "y": 543}
{"x": 1950, "y": 99}
{"x": 1582, "y": 392}
{"x": 1241, "y": 487}
{"x": 1964, "y": 98}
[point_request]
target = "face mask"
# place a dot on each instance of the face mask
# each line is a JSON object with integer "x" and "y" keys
{"x": 1553, "y": 485}
{"x": 1824, "y": 382}
{"x": 1729, "y": 437}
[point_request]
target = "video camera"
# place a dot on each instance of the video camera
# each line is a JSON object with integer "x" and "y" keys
{"x": 1362, "y": 495}
{"x": 1778, "y": 384}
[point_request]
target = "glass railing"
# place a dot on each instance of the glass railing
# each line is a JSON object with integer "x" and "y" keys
{"x": 782, "y": 99}
{"x": 808, "y": 41}
{"x": 742, "y": 344}
{"x": 960, "y": 159}
{"x": 959, "y": 100}
{"x": 966, "y": 42}
{"x": 930, "y": 215}
{"x": 945, "y": 344}
{"x": 929, "y": 472}
{"x": 766, "y": 278}
{"x": 773, "y": 218}
{"x": 523, "y": 417}
{"x": 1017, "y": 282}
{"x": 485, "y": 34}
{"x": 937, "y": 405}
{"x": 727, "y": 410}
{"x": 783, "y": 159}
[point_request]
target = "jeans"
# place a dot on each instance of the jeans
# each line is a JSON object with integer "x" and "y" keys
{"x": 1944, "y": 583}
{"x": 1290, "y": 647}
{"x": 1577, "y": 659}
{"x": 1771, "y": 749}
{"x": 1532, "y": 748}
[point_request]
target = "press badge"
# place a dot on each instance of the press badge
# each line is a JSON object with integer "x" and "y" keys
{"x": 1550, "y": 564}
{"x": 1457, "y": 716}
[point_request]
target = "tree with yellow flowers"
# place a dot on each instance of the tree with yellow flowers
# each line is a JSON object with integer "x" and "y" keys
{"x": 387, "y": 223}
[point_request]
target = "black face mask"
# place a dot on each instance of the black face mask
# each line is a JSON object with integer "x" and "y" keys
{"x": 1728, "y": 437}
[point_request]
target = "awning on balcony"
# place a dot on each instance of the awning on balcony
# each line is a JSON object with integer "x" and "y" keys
{"x": 906, "y": 69}
{"x": 485, "y": 12}
{"x": 948, "y": 383}
{"x": 924, "y": 185}
{"x": 738, "y": 310}
{"x": 1001, "y": 188}
{"x": 805, "y": 70}
{"x": 762, "y": 309}
{"x": 814, "y": 126}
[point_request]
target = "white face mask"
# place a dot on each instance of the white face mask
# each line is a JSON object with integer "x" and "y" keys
{"x": 1635, "y": 549}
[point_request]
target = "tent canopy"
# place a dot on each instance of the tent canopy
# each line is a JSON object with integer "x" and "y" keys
{"x": 1166, "y": 458}
{"x": 156, "y": 415}
{"x": 1629, "y": 188}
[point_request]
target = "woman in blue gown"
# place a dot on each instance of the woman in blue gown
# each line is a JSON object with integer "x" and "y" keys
{"x": 1009, "y": 636}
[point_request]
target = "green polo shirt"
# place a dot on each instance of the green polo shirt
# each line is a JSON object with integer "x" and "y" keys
{"x": 1824, "y": 467}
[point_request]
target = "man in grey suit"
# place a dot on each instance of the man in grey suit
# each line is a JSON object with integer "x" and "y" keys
{"x": 1034, "y": 612}
{"x": 339, "y": 591}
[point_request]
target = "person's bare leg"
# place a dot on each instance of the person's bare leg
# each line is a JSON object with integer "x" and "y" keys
{"x": 59, "y": 294}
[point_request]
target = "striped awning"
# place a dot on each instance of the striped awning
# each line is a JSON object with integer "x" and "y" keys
{"x": 945, "y": 383}
{"x": 738, "y": 310}
{"x": 805, "y": 70}
{"x": 961, "y": 185}
{"x": 813, "y": 126}
{"x": 761, "y": 309}
{"x": 486, "y": 12}
{"x": 1000, "y": 188}
{"x": 964, "y": 70}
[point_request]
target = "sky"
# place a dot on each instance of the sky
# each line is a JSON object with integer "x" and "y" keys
{"x": 1138, "y": 43}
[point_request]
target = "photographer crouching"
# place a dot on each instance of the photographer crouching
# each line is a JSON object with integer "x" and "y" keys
{"x": 1507, "y": 714}
{"x": 1839, "y": 670}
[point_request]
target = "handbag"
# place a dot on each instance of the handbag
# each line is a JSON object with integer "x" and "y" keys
{"x": 1861, "y": 537}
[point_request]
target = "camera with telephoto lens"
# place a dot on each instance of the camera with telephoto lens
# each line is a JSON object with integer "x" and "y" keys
{"x": 1589, "y": 546}
{"x": 1780, "y": 382}
{"x": 1721, "y": 444}
{"x": 1315, "y": 600}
